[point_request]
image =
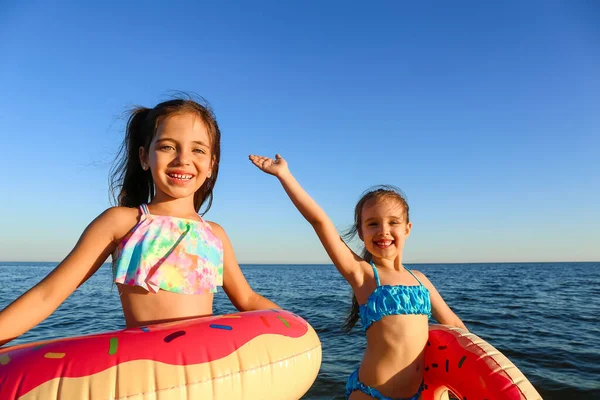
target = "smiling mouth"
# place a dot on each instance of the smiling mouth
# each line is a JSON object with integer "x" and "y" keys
{"x": 181, "y": 177}
{"x": 383, "y": 244}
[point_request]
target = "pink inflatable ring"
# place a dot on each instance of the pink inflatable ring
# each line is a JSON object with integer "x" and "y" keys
{"x": 254, "y": 355}
{"x": 469, "y": 367}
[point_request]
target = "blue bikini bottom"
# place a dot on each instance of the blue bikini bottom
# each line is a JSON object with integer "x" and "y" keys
{"x": 354, "y": 384}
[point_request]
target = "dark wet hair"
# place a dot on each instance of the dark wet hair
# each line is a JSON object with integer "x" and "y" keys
{"x": 377, "y": 193}
{"x": 136, "y": 186}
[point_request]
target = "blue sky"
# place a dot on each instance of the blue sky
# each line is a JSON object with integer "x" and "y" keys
{"x": 487, "y": 115}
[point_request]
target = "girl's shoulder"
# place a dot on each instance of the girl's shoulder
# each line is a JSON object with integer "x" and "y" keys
{"x": 216, "y": 229}
{"x": 118, "y": 213}
{"x": 417, "y": 273}
{"x": 213, "y": 224}
{"x": 422, "y": 278}
{"x": 121, "y": 219}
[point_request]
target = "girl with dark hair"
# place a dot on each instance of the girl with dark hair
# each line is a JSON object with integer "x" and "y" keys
{"x": 392, "y": 302}
{"x": 167, "y": 260}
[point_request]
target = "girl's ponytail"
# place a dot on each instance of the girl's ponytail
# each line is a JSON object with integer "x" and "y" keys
{"x": 134, "y": 185}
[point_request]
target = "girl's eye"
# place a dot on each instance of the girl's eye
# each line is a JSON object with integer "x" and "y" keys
{"x": 201, "y": 151}
{"x": 166, "y": 147}
{"x": 372, "y": 224}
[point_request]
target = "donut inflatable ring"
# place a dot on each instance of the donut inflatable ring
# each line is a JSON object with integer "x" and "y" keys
{"x": 469, "y": 367}
{"x": 266, "y": 354}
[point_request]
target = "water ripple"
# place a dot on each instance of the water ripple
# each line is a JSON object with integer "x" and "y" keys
{"x": 542, "y": 316}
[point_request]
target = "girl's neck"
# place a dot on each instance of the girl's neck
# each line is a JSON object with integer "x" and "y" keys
{"x": 395, "y": 263}
{"x": 179, "y": 208}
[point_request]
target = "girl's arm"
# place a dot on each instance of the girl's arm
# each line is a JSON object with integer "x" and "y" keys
{"x": 345, "y": 260}
{"x": 235, "y": 284}
{"x": 90, "y": 252}
{"x": 439, "y": 309}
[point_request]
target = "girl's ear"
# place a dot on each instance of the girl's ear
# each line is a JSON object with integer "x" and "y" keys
{"x": 408, "y": 228}
{"x": 144, "y": 159}
{"x": 212, "y": 165}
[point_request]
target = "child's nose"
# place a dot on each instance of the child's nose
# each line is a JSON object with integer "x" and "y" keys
{"x": 182, "y": 158}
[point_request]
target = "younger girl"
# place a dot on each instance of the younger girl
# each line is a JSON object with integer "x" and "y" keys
{"x": 167, "y": 260}
{"x": 392, "y": 302}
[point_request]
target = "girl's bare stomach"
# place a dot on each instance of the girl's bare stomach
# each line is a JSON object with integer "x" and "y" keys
{"x": 394, "y": 363}
{"x": 141, "y": 307}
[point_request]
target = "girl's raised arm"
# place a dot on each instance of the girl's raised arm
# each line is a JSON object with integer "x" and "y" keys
{"x": 94, "y": 246}
{"x": 345, "y": 260}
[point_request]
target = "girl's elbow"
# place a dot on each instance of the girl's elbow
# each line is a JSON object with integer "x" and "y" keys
{"x": 450, "y": 320}
{"x": 457, "y": 323}
{"x": 258, "y": 302}
{"x": 316, "y": 222}
{"x": 239, "y": 305}
{"x": 243, "y": 302}
{"x": 251, "y": 301}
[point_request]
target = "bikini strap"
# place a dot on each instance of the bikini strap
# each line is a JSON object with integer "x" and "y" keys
{"x": 414, "y": 276}
{"x": 376, "y": 274}
{"x": 144, "y": 210}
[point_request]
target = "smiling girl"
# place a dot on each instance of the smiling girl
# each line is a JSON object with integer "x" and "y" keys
{"x": 167, "y": 260}
{"x": 392, "y": 302}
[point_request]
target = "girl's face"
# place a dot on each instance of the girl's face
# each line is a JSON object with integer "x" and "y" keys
{"x": 179, "y": 156}
{"x": 384, "y": 228}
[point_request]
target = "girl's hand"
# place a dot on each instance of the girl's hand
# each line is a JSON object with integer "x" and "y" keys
{"x": 276, "y": 167}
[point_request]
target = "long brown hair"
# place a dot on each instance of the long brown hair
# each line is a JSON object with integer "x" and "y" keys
{"x": 136, "y": 186}
{"x": 376, "y": 193}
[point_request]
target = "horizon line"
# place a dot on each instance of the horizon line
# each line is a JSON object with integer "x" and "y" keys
{"x": 330, "y": 263}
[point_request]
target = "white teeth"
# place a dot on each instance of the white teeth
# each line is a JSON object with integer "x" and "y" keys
{"x": 181, "y": 176}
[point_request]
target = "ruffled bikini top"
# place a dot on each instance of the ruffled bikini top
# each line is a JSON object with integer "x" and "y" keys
{"x": 394, "y": 300}
{"x": 174, "y": 254}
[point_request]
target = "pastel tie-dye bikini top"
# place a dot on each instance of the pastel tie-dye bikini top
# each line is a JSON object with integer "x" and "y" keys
{"x": 174, "y": 254}
{"x": 394, "y": 300}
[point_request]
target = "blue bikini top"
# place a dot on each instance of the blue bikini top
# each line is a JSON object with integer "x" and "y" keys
{"x": 394, "y": 300}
